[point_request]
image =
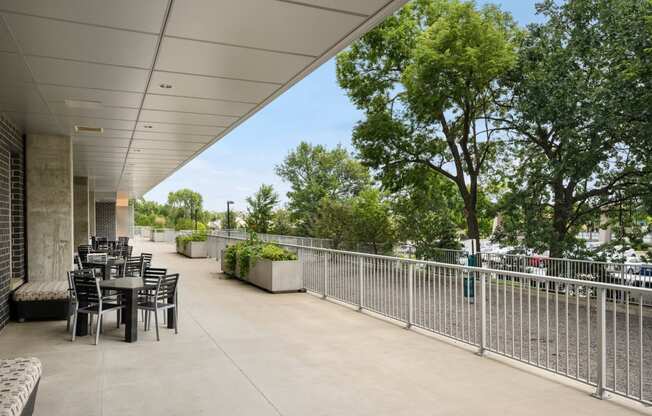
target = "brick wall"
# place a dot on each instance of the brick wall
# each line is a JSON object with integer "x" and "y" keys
{"x": 12, "y": 211}
{"x": 105, "y": 225}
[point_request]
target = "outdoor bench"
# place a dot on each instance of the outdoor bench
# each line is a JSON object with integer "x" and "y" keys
{"x": 19, "y": 379}
{"x": 40, "y": 301}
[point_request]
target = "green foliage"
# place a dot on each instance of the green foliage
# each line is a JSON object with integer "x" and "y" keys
{"x": 333, "y": 221}
{"x": 429, "y": 215}
{"x": 245, "y": 254}
{"x": 581, "y": 118}
{"x": 371, "y": 221}
{"x": 183, "y": 240}
{"x": 316, "y": 173}
{"x": 275, "y": 253}
{"x": 261, "y": 206}
{"x": 186, "y": 204}
{"x": 427, "y": 80}
{"x": 282, "y": 223}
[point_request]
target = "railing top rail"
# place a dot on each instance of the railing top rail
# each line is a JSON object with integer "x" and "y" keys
{"x": 561, "y": 259}
{"x": 634, "y": 289}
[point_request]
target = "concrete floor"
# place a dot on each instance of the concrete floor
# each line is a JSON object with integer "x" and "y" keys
{"x": 241, "y": 351}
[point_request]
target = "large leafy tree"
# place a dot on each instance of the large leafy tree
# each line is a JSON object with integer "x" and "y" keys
{"x": 185, "y": 204}
{"x": 315, "y": 173}
{"x": 429, "y": 215}
{"x": 260, "y": 209}
{"x": 372, "y": 222}
{"x": 425, "y": 79}
{"x": 333, "y": 221}
{"x": 580, "y": 114}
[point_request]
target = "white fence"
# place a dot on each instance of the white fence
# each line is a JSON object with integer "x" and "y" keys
{"x": 593, "y": 332}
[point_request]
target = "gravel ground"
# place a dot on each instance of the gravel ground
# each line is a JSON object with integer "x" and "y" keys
{"x": 535, "y": 326}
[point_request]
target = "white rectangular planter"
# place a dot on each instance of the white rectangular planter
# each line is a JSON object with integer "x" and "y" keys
{"x": 194, "y": 249}
{"x": 273, "y": 276}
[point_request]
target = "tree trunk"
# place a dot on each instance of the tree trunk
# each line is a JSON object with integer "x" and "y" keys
{"x": 562, "y": 211}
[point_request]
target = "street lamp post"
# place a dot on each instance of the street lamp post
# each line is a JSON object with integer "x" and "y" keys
{"x": 228, "y": 217}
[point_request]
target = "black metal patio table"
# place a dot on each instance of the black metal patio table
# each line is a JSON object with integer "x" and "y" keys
{"x": 129, "y": 288}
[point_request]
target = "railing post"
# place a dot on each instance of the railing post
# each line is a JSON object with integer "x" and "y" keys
{"x": 601, "y": 382}
{"x": 361, "y": 278}
{"x": 410, "y": 295}
{"x": 483, "y": 313}
{"x": 325, "y": 275}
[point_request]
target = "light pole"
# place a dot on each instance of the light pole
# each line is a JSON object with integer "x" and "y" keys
{"x": 228, "y": 217}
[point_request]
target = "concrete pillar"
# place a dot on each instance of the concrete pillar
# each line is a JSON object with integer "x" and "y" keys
{"x": 49, "y": 206}
{"x": 122, "y": 215}
{"x": 91, "y": 213}
{"x": 81, "y": 211}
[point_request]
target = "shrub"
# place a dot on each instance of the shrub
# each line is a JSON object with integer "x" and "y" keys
{"x": 183, "y": 240}
{"x": 245, "y": 253}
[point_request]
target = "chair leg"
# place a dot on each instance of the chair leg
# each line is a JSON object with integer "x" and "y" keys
{"x": 68, "y": 317}
{"x": 117, "y": 325}
{"x": 156, "y": 323}
{"x": 90, "y": 323}
{"x": 74, "y": 326}
{"x": 176, "y": 320}
{"x": 97, "y": 333}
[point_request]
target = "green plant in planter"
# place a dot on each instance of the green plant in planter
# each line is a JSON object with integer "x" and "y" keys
{"x": 183, "y": 240}
{"x": 246, "y": 253}
{"x": 276, "y": 253}
{"x": 230, "y": 257}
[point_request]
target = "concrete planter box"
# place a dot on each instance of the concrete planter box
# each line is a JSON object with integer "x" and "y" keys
{"x": 194, "y": 249}
{"x": 273, "y": 276}
{"x": 162, "y": 236}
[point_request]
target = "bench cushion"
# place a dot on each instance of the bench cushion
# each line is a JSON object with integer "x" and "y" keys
{"x": 18, "y": 377}
{"x": 50, "y": 290}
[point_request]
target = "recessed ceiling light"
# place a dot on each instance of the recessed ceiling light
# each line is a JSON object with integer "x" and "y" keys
{"x": 87, "y": 130}
{"x": 165, "y": 86}
{"x": 94, "y": 105}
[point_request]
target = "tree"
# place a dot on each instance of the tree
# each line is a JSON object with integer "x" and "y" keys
{"x": 333, "y": 221}
{"x": 186, "y": 204}
{"x": 371, "y": 221}
{"x": 429, "y": 215}
{"x": 580, "y": 115}
{"x": 261, "y": 206}
{"x": 315, "y": 173}
{"x": 426, "y": 79}
{"x": 282, "y": 223}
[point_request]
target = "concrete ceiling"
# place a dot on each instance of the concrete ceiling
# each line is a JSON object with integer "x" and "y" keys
{"x": 164, "y": 79}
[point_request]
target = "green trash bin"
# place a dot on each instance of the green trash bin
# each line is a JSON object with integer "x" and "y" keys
{"x": 469, "y": 278}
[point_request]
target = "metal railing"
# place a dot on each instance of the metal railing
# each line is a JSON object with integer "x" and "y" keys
{"x": 593, "y": 332}
{"x": 629, "y": 274}
{"x": 275, "y": 238}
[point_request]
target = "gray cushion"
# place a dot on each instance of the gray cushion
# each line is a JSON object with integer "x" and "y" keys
{"x": 46, "y": 290}
{"x": 18, "y": 377}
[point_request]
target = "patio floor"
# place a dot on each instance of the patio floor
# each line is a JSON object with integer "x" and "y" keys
{"x": 241, "y": 351}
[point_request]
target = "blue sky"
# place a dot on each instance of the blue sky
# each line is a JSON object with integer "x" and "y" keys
{"x": 315, "y": 110}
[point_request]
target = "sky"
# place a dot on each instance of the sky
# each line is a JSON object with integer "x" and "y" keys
{"x": 315, "y": 110}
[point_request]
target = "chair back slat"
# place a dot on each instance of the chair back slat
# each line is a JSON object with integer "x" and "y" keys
{"x": 85, "y": 286}
{"x": 133, "y": 267}
{"x": 167, "y": 287}
{"x": 83, "y": 251}
{"x": 152, "y": 275}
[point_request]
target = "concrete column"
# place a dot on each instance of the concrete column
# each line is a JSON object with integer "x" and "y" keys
{"x": 122, "y": 215}
{"x": 49, "y": 206}
{"x": 81, "y": 210}
{"x": 91, "y": 213}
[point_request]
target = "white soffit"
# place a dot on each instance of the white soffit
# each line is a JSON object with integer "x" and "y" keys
{"x": 163, "y": 79}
